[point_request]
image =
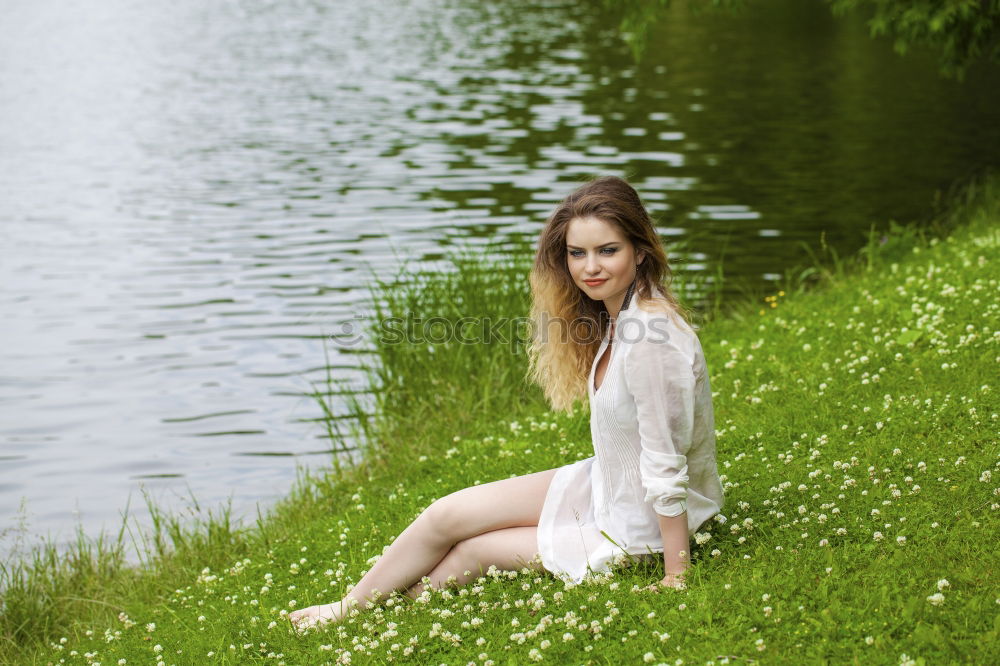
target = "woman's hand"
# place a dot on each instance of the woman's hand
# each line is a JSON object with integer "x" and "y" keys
{"x": 674, "y": 581}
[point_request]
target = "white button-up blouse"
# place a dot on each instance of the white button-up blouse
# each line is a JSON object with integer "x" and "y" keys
{"x": 653, "y": 431}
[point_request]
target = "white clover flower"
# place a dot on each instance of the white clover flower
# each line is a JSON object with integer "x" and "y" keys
{"x": 649, "y": 657}
{"x": 936, "y": 599}
{"x": 943, "y": 583}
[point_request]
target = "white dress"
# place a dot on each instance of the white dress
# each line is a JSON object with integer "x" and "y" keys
{"x": 653, "y": 431}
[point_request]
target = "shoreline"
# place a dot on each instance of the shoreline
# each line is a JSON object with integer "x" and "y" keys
{"x": 781, "y": 412}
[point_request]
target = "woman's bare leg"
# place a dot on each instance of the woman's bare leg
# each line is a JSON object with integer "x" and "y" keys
{"x": 509, "y": 549}
{"x": 507, "y": 503}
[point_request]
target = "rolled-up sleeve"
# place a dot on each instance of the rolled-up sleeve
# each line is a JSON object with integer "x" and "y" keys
{"x": 660, "y": 378}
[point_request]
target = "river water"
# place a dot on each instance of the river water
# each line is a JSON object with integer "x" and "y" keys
{"x": 194, "y": 193}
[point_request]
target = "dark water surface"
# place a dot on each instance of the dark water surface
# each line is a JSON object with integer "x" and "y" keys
{"x": 192, "y": 194}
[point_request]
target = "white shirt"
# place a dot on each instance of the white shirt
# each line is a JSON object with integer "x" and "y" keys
{"x": 653, "y": 431}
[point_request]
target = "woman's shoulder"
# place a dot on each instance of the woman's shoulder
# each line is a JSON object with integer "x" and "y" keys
{"x": 660, "y": 327}
{"x": 661, "y": 311}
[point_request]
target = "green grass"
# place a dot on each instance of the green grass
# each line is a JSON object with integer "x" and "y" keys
{"x": 857, "y": 424}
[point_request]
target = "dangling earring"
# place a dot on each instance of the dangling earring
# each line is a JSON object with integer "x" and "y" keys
{"x": 629, "y": 292}
{"x": 631, "y": 289}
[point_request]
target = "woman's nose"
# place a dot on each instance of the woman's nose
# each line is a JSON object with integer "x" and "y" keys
{"x": 592, "y": 265}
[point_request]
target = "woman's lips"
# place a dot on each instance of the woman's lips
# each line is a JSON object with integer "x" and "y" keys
{"x": 594, "y": 283}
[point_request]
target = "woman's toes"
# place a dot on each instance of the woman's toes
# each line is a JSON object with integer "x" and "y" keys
{"x": 304, "y": 617}
{"x": 313, "y": 615}
{"x": 316, "y": 615}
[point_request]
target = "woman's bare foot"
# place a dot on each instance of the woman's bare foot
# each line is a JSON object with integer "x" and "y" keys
{"x": 322, "y": 614}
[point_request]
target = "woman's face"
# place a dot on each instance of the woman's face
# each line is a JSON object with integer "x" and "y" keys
{"x": 601, "y": 261}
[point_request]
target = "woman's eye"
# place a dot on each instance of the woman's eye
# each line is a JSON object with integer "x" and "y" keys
{"x": 606, "y": 250}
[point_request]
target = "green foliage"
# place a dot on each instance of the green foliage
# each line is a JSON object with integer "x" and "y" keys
{"x": 961, "y": 32}
{"x": 636, "y": 17}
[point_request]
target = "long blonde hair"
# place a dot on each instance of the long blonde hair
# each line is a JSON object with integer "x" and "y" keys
{"x": 562, "y": 313}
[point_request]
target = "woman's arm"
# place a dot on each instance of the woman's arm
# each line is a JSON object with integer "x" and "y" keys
{"x": 660, "y": 376}
{"x": 676, "y": 549}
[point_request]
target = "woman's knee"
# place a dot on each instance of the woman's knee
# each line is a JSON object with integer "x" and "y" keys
{"x": 447, "y": 518}
{"x": 508, "y": 549}
{"x": 468, "y": 555}
{"x": 467, "y": 550}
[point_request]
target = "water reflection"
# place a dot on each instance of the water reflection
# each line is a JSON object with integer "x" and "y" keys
{"x": 195, "y": 194}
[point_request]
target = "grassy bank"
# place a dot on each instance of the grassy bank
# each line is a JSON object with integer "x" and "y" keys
{"x": 857, "y": 431}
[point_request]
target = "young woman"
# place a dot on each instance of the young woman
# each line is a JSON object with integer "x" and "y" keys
{"x": 609, "y": 329}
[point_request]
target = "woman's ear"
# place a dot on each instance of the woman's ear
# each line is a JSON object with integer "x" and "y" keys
{"x": 640, "y": 258}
